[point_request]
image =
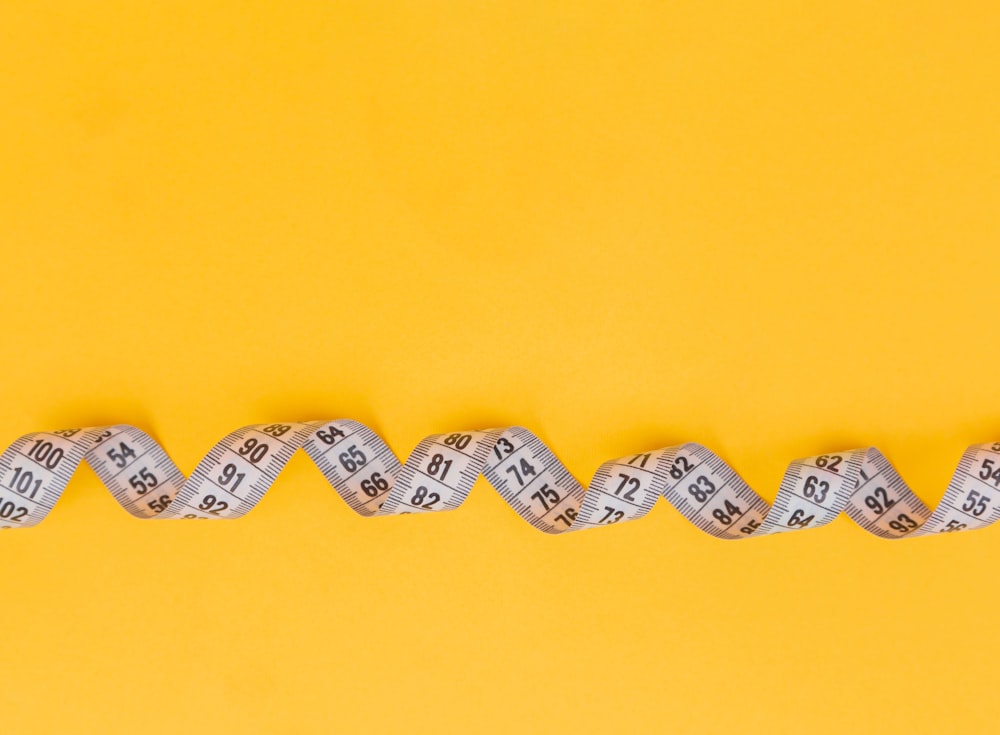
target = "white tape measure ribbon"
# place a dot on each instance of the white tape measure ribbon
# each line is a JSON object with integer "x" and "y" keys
{"x": 438, "y": 475}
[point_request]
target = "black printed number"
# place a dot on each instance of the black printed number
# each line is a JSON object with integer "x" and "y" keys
{"x": 630, "y": 485}
{"x": 879, "y": 501}
{"x": 423, "y": 498}
{"x": 502, "y": 448}
{"x": 547, "y": 497}
{"x": 121, "y": 455}
{"x": 158, "y": 505}
{"x": 459, "y": 441}
{"x": 521, "y": 472}
{"x": 701, "y": 488}
{"x": 45, "y": 453}
{"x": 989, "y": 471}
{"x": 815, "y": 488}
{"x": 976, "y": 502}
{"x": 799, "y": 519}
{"x": 903, "y": 523}
{"x": 374, "y": 485}
{"x": 750, "y": 527}
{"x": 567, "y": 516}
{"x": 25, "y": 482}
{"x": 612, "y": 515}
{"x": 253, "y": 450}
{"x": 680, "y": 467}
{"x": 143, "y": 482}
{"x": 212, "y": 505}
{"x": 12, "y": 512}
{"x": 330, "y": 434}
{"x": 830, "y": 462}
{"x": 439, "y": 464}
{"x": 726, "y": 515}
{"x": 230, "y": 475}
{"x": 352, "y": 458}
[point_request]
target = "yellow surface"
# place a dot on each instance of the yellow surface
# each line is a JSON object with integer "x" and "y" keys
{"x": 768, "y": 227}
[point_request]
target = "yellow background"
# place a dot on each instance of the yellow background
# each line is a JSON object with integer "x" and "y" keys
{"x": 768, "y": 227}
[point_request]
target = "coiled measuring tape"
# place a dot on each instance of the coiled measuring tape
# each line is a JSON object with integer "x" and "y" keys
{"x": 438, "y": 475}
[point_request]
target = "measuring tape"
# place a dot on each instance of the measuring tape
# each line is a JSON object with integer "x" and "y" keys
{"x": 233, "y": 477}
